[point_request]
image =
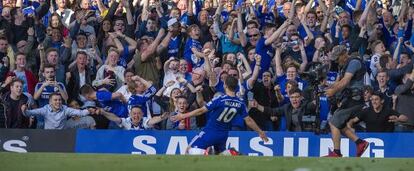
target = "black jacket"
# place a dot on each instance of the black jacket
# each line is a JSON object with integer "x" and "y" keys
{"x": 306, "y": 108}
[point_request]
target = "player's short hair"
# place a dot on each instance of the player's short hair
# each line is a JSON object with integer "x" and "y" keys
{"x": 86, "y": 89}
{"x": 231, "y": 83}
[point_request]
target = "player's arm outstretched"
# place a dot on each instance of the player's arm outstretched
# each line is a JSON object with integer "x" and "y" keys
{"x": 196, "y": 112}
{"x": 252, "y": 124}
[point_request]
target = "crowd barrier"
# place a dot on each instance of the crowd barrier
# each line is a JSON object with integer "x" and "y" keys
{"x": 301, "y": 144}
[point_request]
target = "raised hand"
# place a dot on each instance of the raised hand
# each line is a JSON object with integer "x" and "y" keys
{"x": 108, "y": 81}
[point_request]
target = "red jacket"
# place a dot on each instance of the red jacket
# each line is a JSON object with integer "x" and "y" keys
{"x": 31, "y": 80}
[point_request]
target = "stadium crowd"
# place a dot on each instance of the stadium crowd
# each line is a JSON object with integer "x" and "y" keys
{"x": 119, "y": 64}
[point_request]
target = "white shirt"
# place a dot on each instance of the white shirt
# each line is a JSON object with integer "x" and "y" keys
{"x": 66, "y": 14}
{"x": 82, "y": 80}
{"x": 169, "y": 75}
{"x": 374, "y": 61}
{"x": 126, "y": 124}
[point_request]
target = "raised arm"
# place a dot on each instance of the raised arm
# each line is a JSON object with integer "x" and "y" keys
{"x": 309, "y": 35}
{"x": 303, "y": 55}
{"x": 152, "y": 47}
{"x": 193, "y": 113}
{"x": 252, "y": 80}
{"x": 231, "y": 34}
{"x": 190, "y": 8}
{"x": 364, "y": 15}
{"x": 164, "y": 43}
{"x": 308, "y": 7}
{"x": 130, "y": 19}
{"x": 278, "y": 61}
{"x": 147, "y": 84}
{"x": 397, "y": 49}
{"x": 242, "y": 36}
{"x": 160, "y": 92}
{"x": 101, "y": 6}
{"x": 277, "y": 33}
{"x": 110, "y": 116}
{"x": 248, "y": 70}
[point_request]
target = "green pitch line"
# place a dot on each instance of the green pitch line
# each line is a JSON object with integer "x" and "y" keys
{"x": 103, "y": 162}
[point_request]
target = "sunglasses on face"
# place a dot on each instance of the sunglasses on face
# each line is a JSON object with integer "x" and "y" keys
{"x": 253, "y": 35}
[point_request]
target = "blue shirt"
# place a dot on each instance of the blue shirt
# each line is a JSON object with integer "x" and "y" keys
{"x": 188, "y": 54}
{"x": 267, "y": 53}
{"x": 222, "y": 110}
{"x": 331, "y": 77}
{"x": 174, "y": 47}
{"x": 141, "y": 99}
{"x": 124, "y": 57}
{"x": 282, "y": 80}
{"x": 114, "y": 106}
{"x": 44, "y": 96}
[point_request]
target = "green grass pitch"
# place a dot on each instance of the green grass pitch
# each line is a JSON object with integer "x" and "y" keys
{"x": 103, "y": 162}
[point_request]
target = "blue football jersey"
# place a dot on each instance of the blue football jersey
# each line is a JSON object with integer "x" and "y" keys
{"x": 222, "y": 110}
{"x": 142, "y": 99}
{"x": 114, "y": 106}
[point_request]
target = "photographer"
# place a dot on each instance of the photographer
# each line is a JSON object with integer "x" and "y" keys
{"x": 350, "y": 87}
{"x": 298, "y": 112}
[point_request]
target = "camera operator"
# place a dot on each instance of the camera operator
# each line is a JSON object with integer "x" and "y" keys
{"x": 298, "y": 113}
{"x": 349, "y": 86}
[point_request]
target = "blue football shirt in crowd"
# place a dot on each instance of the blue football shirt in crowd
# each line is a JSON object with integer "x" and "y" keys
{"x": 114, "y": 106}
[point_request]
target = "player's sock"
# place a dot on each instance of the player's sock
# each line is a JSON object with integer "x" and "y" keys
{"x": 359, "y": 141}
{"x": 197, "y": 151}
{"x": 337, "y": 151}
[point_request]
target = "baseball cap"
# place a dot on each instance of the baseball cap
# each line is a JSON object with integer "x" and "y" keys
{"x": 172, "y": 21}
{"x": 338, "y": 51}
